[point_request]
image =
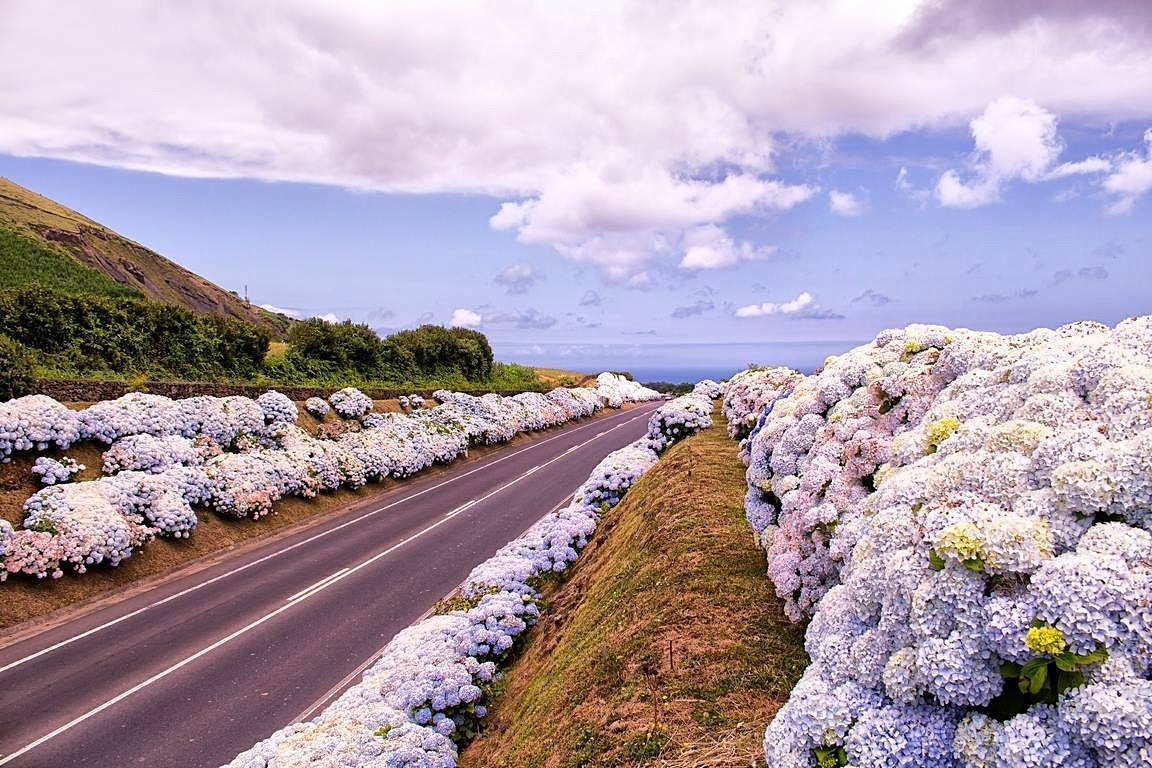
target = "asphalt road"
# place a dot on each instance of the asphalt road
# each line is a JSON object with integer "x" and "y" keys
{"x": 198, "y": 668}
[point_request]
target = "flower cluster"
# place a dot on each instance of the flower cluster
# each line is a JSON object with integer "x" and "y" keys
{"x": 224, "y": 420}
{"x": 428, "y": 688}
{"x": 965, "y": 517}
{"x": 710, "y": 389}
{"x": 53, "y": 472}
{"x": 749, "y": 395}
{"x": 409, "y": 402}
{"x": 36, "y": 423}
{"x": 317, "y": 406}
{"x": 277, "y": 408}
{"x": 146, "y": 453}
{"x": 350, "y": 403}
{"x": 238, "y": 457}
{"x": 679, "y": 418}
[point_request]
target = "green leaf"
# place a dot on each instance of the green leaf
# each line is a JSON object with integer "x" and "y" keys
{"x": 1009, "y": 670}
{"x": 1094, "y": 657}
{"x": 935, "y": 559}
{"x": 1066, "y": 662}
{"x": 974, "y": 565}
{"x": 1037, "y": 680}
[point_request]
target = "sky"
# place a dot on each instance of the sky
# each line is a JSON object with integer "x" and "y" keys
{"x": 619, "y": 179}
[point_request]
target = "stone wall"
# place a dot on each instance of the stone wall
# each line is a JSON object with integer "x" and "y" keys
{"x": 91, "y": 390}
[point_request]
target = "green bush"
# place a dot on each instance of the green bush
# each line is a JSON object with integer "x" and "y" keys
{"x": 86, "y": 334}
{"x": 16, "y": 369}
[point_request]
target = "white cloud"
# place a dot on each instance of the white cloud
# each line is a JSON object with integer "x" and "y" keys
{"x": 611, "y": 162}
{"x": 1131, "y": 178}
{"x": 845, "y": 203}
{"x": 465, "y": 318}
{"x": 709, "y": 247}
{"x": 293, "y": 313}
{"x": 1087, "y": 166}
{"x": 803, "y": 306}
{"x": 1015, "y": 139}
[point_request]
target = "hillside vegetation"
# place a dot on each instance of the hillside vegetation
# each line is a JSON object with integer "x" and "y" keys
{"x": 665, "y": 647}
{"x": 89, "y": 244}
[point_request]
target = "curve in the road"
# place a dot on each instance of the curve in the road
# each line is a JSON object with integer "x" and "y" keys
{"x": 195, "y": 669}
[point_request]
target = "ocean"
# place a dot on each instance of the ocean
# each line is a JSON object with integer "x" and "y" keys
{"x": 675, "y": 363}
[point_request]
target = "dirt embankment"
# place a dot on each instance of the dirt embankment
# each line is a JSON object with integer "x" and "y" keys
{"x": 665, "y": 647}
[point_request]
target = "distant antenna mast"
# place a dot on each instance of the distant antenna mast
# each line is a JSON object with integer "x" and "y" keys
{"x": 246, "y": 302}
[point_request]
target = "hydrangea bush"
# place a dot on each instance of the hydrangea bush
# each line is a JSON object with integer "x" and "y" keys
{"x": 426, "y": 694}
{"x": 36, "y": 423}
{"x": 317, "y": 406}
{"x": 678, "y": 419}
{"x": 965, "y": 518}
{"x": 350, "y": 403}
{"x": 53, "y": 472}
{"x": 238, "y": 457}
{"x": 749, "y": 394}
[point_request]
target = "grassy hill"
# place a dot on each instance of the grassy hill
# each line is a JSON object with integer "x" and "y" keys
{"x": 43, "y": 241}
{"x": 666, "y": 647}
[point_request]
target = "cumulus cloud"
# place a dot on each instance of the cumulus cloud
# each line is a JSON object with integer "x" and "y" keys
{"x": 845, "y": 203}
{"x": 709, "y": 247}
{"x": 617, "y": 218}
{"x": 527, "y": 319}
{"x": 518, "y": 278}
{"x": 1131, "y": 178}
{"x": 639, "y": 151}
{"x": 1015, "y": 139}
{"x": 694, "y": 309}
{"x": 465, "y": 318}
{"x": 803, "y": 306}
{"x": 873, "y": 298}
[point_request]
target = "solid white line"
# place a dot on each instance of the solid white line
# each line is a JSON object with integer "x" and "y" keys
{"x": 285, "y": 550}
{"x": 341, "y": 686}
{"x": 306, "y": 590}
{"x": 268, "y": 616}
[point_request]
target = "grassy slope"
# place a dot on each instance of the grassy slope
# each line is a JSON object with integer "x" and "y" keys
{"x": 672, "y": 567}
{"x": 123, "y": 261}
{"x": 557, "y": 377}
{"x": 25, "y": 260}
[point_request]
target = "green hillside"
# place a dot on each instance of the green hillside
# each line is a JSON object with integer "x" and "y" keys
{"x": 95, "y": 252}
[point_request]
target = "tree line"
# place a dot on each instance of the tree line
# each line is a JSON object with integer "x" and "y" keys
{"x": 75, "y": 334}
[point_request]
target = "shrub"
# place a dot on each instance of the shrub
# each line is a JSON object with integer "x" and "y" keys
{"x": 16, "y": 369}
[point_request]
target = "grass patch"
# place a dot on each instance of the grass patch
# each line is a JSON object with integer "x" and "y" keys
{"x": 665, "y": 647}
{"x": 24, "y": 261}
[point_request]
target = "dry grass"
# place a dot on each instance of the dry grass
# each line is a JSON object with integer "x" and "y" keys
{"x": 558, "y": 377}
{"x": 665, "y": 647}
{"x": 25, "y": 598}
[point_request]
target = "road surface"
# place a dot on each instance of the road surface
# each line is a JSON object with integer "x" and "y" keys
{"x": 198, "y": 668}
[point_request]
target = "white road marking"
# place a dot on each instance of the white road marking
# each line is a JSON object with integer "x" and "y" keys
{"x": 315, "y": 590}
{"x": 289, "y": 548}
{"x": 341, "y": 686}
{"x": 322, "y": 581}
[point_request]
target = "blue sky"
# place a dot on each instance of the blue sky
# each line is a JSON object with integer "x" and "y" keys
{"x": 670, "y": 200}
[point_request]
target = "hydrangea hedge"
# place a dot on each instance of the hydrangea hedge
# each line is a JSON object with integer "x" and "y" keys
{"x": 429, "y": 689}
{"x": 964, "y": 518}
{"x": 237, "y": 457}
